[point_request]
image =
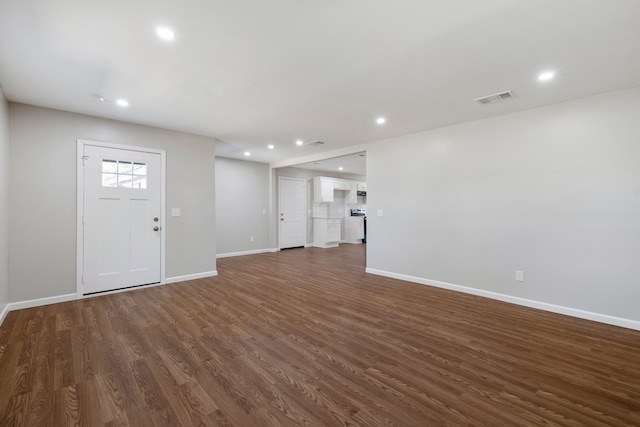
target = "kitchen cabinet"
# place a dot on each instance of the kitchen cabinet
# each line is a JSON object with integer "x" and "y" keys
{"x": 341, "y": 184}
{"x": 323, "y": 189}
{"x": 351, "y": 196}
{"x": 334, "y": 230}
{"x": 354, "y": 229}
{"x": 326, "y": 232}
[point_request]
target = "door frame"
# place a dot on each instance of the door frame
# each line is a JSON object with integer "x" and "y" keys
{"x": 81, "y": 143}
{"x": 304, "y": 181}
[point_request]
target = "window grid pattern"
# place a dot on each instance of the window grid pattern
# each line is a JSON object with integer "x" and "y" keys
{"x": 124, "y": 174}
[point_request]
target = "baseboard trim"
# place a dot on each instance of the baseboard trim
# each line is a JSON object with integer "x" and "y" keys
{"x": 254, "y": 252}
{"x": 36, "y": 303}
{"x": 70, "y": 297}
{"x": 203, "y": 275}
{"x": 574, "y": 312}
{"x": 3, "y": 313}
{"x": 327, "y": 246}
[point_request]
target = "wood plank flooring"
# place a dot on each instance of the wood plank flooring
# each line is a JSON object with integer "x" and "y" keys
{"x": 305, "y": 337}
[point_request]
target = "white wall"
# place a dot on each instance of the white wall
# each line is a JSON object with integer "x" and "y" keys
{"x": 242, "y": 193}
{"x": 307, "y": 175}
{"x": 42, "y": 213}
{"x": 554, "y": 192}
{"x": 4, "y": 203}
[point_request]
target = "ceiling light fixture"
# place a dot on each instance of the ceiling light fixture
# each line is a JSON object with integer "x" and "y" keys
{"x": 165, "y": 33}
{"x": 340, "y": 168}
{"x": 299, "y": 142}
{"x": 246, "y": 153}
{"x": 122, "y": 102}
{"x": 381, "y": 120}
{"x": 271, "y": 146}
{"x": 546, "y": 76}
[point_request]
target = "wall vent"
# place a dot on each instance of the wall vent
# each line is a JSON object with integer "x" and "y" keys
{"x": 315, "y": 143}
{"x": 497, "y": 97}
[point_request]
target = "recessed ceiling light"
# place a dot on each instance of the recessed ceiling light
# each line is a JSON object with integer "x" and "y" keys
{"x": 246, "y": 153}
{"x": 122, "y": 102}
{"x": 340, "y": 168}
{"x": 381, "y": 120}
{"x": 299, "y": 142}
{"x": 165, "y": 33}
{"x": 271, "y": 146}
{"x": 546, "y": 76}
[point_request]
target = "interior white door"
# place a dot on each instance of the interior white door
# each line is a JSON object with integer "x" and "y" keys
{"x": 293, "y": 221}
{"x": 121, "y": 219}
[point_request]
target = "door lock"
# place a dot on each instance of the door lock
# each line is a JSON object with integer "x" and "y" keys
{"x": 156, "y": 228}
{"x": 155, "y": 219}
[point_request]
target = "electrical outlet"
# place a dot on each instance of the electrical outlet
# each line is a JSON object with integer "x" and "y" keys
{"x": 519, "y": 276}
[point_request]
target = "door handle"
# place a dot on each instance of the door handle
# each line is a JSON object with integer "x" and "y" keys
{"x": 156, "y": 228}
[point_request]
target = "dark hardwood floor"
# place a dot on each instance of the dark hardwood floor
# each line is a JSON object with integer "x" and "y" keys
{"x": 305, "y": 337}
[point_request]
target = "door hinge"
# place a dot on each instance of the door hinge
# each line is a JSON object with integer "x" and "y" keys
{"x": 84, "y": 158}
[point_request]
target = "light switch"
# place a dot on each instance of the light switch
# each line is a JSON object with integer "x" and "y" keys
{"x": 380, "y": 212}
{"x": 175, "y": 212}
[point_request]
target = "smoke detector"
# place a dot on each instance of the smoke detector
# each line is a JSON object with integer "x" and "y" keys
{"x": 495, "y": 98}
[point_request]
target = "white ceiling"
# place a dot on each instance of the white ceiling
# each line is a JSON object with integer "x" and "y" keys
{"x": 355, "y": 164}
{"x": 255, "y": 72}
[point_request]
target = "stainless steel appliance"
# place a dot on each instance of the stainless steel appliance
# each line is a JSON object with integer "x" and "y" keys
{"x": 361, "y": 212}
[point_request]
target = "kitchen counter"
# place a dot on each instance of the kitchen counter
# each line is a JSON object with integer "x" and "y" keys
{"x": 326, "y": 232}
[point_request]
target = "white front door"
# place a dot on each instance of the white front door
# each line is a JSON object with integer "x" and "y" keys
{"x": 121, "y": 232}
{"x": 293, "y": 221}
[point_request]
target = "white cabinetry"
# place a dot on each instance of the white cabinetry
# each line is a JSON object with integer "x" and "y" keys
{"x": 354, "y": 229}
{"x": 323, "y": 189}
{"x": 326, "y": 232}
{"x": 340, "y": 184}
{"x": 351, "y": 196}
{"x": 333, "y": 230}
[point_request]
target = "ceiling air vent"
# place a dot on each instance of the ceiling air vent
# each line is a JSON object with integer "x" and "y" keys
{"x": 498, "y": 97}
{"x": 315, "y": 143}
